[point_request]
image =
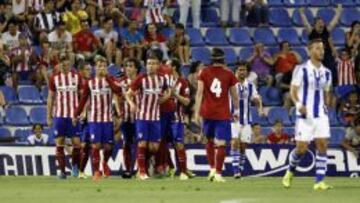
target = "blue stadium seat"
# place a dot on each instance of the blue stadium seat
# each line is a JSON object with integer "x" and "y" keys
{"x": 209, "y": 17}
{"x": 290, "y": 35}
{"x": 167, "y": 32}
{"x": 185, "y": 71}
{"x": 216, "y": 37}
{"x": 273, "y": 50}
{"x": 25, "y": 82}
{"x": 349, "y": 15}
{"x": 5, "y": 134}
{"x": 114, "y": 70}
{"x": 230, "y": 56}
{"x": 240, "y": 36}
{"x": 327, "y": 14}
{"x": 266, "y": 131}
{"x": 304, "y": 37}
{"x": 338, "y": 36}
{"x": 21, "y": 135}
{"x": 176, "y": 17}
{"x": 279, "y": 17}
{"x": 290, "y": 131}
{"x": 265, "y": 36}
{"x": 279, "y": 113}
{"x": 256, "y": 118}
{"x": 275, "y": 3}
{"x": 16, "y": 116}
{"x": 9, "y": 94}
{"x": 245, "y": 53}
{"x": 296, "y": 3}
{"x": 201, "y": 54}
{"x": 357, "y": 2}
{"x": 337, "y": 135}
{"x": 29, "y": 95}
{"x": 270, "y": 96}
{"x": 319, "y": 3}
{"x": 1, "y": 119}
{"x": 346, "y": 3}
{"x": 44, "y": 93}
{"x": 196, "y": 38}
{"x": 38, "y": 115}
{"x": 302, "y": 52}
{"x": 333, "y": 117}
{"x": 297, "y": 19}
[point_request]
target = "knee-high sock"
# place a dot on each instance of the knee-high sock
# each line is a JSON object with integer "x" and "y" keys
{"x": 95, "y": 159}
{"x": 294, "y": 161}
{"x": 75, "y": 156}
{"x": 60, "y": 157}
{"x": 321, "y": 166}
{"x": 235, "y": 154}
{"x": 107, "y": 154}
{"x": 220, "y": 158}
{"x": 127, "y": 157}
{"x": 182, "y": 159}
{"x": 170, "y": 163}
{"x": 141, "y": 156}
{"x": 210, "y": 153}
{"x": 84, "y": 157}
{"x": 242, "y": 161}
{"x": 160, "y": 156}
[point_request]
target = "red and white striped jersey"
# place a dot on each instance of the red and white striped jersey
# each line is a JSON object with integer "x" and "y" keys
{"x": 346, "y": 72}
{"x": 23, "y": 65}
{"x": 126, "y": 114}
{"x": 181, "y": 88}
{"x": 66, "y": 87}
{"x": 169, "y": 105}
{"x": 150, "y": 89}
{"x": 154, "y": 11}
{"x": 100, "y": 91}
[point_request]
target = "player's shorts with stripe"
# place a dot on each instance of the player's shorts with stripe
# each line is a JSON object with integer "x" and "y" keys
{"x": 149, "y": 131}
{"x": 177, "y": 135}
{"x": 218, "y": 129}
{"x": 242, "y": 132}
{"x": 166, "y": 120}
{"x": 63, "y": 127}
{"x": 308, "y": 129}
{"x": 128, "y": 130}
{"x": 102, "y": 132}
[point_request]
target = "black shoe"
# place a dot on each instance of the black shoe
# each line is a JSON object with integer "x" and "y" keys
{"x": 126, "y": 175}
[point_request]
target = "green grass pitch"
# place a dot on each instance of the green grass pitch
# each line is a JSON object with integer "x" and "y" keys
{"x": 198, "y": 190}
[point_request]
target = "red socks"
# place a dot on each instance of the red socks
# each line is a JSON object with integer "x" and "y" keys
{"x": 141, "y": 155}
{"x": 96, "y": 159}
{"x": 182, "y": 159}
{"x": 84, "y": 157}
{"x": 169, "y": 160}
{"x": 210, "y": 153}
{"x": 60, "y": 157}
{"x": 76, "y": 156}
{"x": 127, "y": 157}
{"x": 220, "y": 158}
{"x": 107, "y": 154}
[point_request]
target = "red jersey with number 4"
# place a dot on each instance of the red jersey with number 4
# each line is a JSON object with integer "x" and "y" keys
{"x": 217, "y": 83}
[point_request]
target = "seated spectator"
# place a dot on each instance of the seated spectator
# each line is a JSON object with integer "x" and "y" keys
{"x": 351, "y": 109}
{"x": 10, "y": 38}
{"x": 179, "y": 45}
{"x": 134, "y": 41}
{"x": 258, "y": 12}
{"x": 278, "y": 136}
{"x": 85, "y": 42}
{"x": 261, "y": 62}
{"x": 284, "y": 85}
{"x": 154, "y": 12}
{"x": 345, "y": 74}
{"x": 61, "y": 41}
{"x": 155, "y": 40}
{"x": 5, "y": 63}
{"x": 257, "y": 137}
{"x": 286, "y": 60}
{"x": 110, "y": 42}
{"x": 38, "y": 138}
{"x": 351, "y": 142}
{"x": 137, "y": 13}
{"x": 73, "y": 17}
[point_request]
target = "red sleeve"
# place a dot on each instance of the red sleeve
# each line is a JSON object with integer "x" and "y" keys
{"x": 201, "y": 76}
{"x": 285, "y": 137}
{"x": 136, "y": 84}
{"x": 113, "y": 85}
{"x": 185, "y": 91}
{"x": 161, "y": 38}
{"x": 84, "y": 97}
{"x": 271, "y": 138}
{"x": 52, "y": 84}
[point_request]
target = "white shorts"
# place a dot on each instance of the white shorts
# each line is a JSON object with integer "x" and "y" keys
{"x": 307, "y": 130}
{"x": 241, "y": 131}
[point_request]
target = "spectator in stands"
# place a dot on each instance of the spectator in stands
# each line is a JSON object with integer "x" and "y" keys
{"x": 257, "y": 137}
{"x": 45, "y": 21}
{"x": 19, "y": 8}
{"x": 345, "y": 73}
{"x": 351, "y": 109}
{"x": 110, "y": 42}
{"x": 321, "y": 31}
{"x": 286, "y": 59}
{"x": 184, "y": 6}
{"x": 278, "y": 136}
{"x": 179, "y": 45}
{"x": 261, "y": 62}
{"x": 11, "y": 36}
{"x": 353, "y": 44}
{"x": 258, "y": 12}
{"x": 137, "y": 13}
{"x": 3, "y": 16}
{"x": 351, "y": 142}
{"x": 154, "y": 12}
{"x": 61, "y": 41}
{"x": 225, "y": 7}
{"x": 5, "y": 63}
{"x": 85, "y": 43}
{"x": 134, "y": 41}
{"x": 73, "y": 17}
{"x": 155, "y": 40}
{"x": 38, "y": 138}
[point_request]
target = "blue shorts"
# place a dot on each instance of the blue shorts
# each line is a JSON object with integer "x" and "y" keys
{"x": 177, "y": 132}
{"x": 85, "y": 135}
{"x": 128, "y": 130}
{"x": 218, "y": 129}
{"x": 149, "y": 131}
{"x": 63, "y": 127}
{"x": 166, "y": 120}
{"x": 102, "y": 132}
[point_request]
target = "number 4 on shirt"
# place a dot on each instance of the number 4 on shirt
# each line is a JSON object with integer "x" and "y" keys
{"x": 216, "y": 87}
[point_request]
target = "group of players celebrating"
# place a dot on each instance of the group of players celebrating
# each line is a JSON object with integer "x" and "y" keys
{"x": 151, "y": 112}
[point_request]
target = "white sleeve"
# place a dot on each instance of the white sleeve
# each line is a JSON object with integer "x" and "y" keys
{"x": 297, "y": 77}
{"x": 255, "y": 93}
{"x": 31, "y": 140}
{"x": 46, "y": 138}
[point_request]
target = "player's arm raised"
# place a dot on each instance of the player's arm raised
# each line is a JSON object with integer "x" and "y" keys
{"x": 198, "y": 100}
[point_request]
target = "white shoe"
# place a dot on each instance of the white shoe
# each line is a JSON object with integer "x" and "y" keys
{"x": 219, "y": 179}
{"x": 142, "y": 176}
{"x": 82, "y": 175}
{"x": 211, "y": 174}
{"x": 184, "y": 176}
